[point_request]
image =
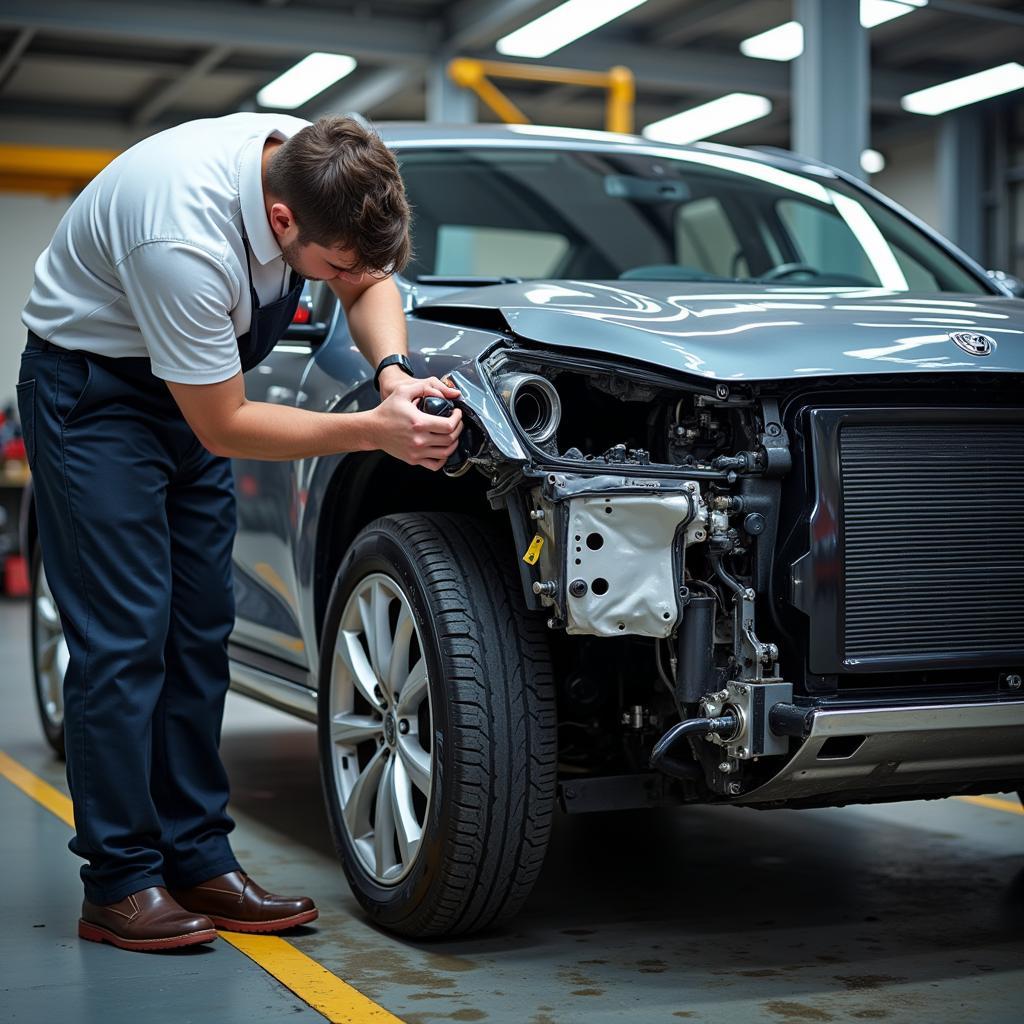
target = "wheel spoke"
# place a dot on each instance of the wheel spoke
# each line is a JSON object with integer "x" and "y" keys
{"x": 46, "y": 609}
{"x": 360, "y": 796}
{"x": 406, "y": 826}
{"x": 414, "y": 689}
{"x": 398, "y": 662}
{"x": 382, "y": 644}
{"x": 384, "y": 821}
{"x": 416, "y": 761}
{"x": 353, "y": 657}
{"x": 349, "y": 730}
{"x": 48, "y": 651}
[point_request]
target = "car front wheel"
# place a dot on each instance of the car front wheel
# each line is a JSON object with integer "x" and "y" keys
{"x": 437, "y": 726}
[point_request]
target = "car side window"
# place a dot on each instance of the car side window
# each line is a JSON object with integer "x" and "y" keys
{"x": 706, "y": 241}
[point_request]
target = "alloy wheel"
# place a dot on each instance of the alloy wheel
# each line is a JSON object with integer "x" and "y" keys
{"x": 51, "y": 650}
{"x": 381, "y": 727}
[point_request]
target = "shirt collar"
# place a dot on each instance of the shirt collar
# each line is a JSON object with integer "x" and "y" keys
{"x": 262, "y": 241}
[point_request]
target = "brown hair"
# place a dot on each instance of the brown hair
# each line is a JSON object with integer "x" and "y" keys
{"x": 343, "y": 186}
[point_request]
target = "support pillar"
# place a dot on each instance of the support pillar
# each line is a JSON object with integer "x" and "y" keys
{"x": 830, "y": 119}
{"x": 961, "y": 176}
{"x": 447, "y": 102}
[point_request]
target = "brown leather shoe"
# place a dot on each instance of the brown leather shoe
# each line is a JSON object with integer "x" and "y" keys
{"x": 147, "y": 920}
{"x": 236, "y": 903}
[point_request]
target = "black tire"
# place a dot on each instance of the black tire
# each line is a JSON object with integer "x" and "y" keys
{"x": 487, "y": 821}
{"x": 53, "y": 727}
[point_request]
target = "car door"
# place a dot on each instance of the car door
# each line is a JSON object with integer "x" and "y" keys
{"x": 267, "y": 612}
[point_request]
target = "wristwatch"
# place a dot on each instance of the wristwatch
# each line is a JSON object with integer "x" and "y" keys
{"x": 395, "y": 360}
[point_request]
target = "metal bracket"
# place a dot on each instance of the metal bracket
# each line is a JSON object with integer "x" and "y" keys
{"x": 751, "y": 703}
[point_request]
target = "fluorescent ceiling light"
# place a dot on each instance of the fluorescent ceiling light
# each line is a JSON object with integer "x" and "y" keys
{"x": 878, "y": 12}
{"x": 563, "y": 25}
{"x": 709, "y": 118}
{"x": 786, "y": 42}
{"x": 871, "y": 161}
{"x": 962, "y": 91}
{"x": 302, "y": 82}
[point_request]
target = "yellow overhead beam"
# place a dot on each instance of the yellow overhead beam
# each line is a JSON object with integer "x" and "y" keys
{"x": 51, "y": 170}
{"x": 475, "y": 74}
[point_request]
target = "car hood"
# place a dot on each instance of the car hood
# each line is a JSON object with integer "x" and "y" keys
{"x": 748, "y": 331}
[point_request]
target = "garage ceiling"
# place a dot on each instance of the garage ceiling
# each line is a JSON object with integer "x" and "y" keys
{"x": 106, "y": 72}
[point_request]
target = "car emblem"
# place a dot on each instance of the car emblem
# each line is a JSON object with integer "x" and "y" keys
{"x": 973, "y": 344}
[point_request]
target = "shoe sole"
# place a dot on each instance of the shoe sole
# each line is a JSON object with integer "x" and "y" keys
{"x": 94, "y": 933}
{"x": 280, "y": 924}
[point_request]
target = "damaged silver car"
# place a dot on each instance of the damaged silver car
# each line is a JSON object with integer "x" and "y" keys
{"x": 736, "y": 516}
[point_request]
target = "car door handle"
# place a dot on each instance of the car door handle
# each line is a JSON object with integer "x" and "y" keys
{"x": 280, "y": 395}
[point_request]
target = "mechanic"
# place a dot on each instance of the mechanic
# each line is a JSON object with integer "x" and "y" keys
{"x": 176, "y": 270}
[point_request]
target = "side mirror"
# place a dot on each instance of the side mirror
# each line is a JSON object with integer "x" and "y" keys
{"x": 1010, "y": 283}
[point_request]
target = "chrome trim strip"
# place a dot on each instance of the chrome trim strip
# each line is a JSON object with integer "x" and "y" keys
{"x": 925, "y": 745}
{"x": 279, "y": 693}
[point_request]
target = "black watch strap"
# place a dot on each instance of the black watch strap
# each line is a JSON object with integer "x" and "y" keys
{"x": 395, "y": 360}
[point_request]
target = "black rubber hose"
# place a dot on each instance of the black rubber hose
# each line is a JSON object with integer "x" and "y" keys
{"x": 723, "y": 574}
{"x": 692, "y": 726}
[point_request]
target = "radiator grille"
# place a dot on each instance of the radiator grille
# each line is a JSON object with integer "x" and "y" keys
{"x": 933, "y": 535}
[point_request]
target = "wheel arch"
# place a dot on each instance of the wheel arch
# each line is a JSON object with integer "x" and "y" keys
{"x": 367, "y": 486}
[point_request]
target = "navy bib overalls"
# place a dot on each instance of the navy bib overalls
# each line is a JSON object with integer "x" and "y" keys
{"x": 136, "y": 523}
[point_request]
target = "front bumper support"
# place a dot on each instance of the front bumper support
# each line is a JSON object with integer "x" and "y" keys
{"x": 929, "y": 747}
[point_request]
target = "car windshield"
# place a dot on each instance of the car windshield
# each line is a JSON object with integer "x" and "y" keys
{"x": 502, "y": 212}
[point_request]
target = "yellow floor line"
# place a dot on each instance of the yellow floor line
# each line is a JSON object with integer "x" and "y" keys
{"x": 339, "y": 1002}
{"x": 994, "y": 803}
{"x": 42, "y": 792}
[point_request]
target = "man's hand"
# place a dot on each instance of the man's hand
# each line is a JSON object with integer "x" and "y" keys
{"x": 402, "y": 430}
{"x": 392, "y": 377}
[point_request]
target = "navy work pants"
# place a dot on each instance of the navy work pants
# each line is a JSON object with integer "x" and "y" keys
{"x": 136, "y": 521}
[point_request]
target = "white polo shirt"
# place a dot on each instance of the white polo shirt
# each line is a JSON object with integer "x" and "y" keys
{"x": 149, "y": 260}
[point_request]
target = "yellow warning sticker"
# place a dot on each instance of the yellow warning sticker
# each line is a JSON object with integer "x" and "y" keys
{"x": 533, "y": 551}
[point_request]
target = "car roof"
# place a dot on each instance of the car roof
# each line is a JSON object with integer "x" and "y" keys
{"x": 401, "y": 134}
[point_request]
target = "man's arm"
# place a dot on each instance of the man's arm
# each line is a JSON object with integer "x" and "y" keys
{"x": 376, "y": 319}
{"x": 226, "y": 423}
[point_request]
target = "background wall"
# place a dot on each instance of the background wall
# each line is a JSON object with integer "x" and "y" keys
{"x": 27, "y": 223}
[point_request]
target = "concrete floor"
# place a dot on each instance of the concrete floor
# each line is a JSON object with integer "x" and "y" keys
{"x": 911, "y": 912}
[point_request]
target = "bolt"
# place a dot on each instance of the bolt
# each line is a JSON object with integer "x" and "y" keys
{"x": 722, "y": 391}
{"x": 545, "y": 589}
{"x": 691, "y": 486}
{"x": 1013, "y": 681}
{"x": 741, "y": 690}
{"x": 551, "y": 623}
{"x": 749, "y": 594}
{"x": 578, "y": 588}
{"x": 403, "y": 726}
{"x": 741, "y": 751}
{"x": 773, "y": 430}
{"x": 725, "y": 767}
{"x": 536, "y": 513}
{"x": 734, "y": 789}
